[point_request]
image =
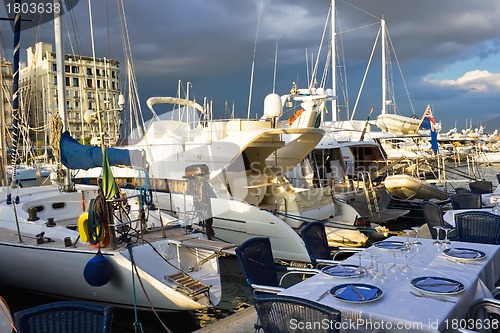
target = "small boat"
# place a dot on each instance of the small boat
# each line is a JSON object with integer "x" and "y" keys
{"x": 398, "y": 124}
{"x": 408, "y": 187}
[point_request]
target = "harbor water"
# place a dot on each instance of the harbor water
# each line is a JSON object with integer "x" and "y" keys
{"x": 236, "y": 294}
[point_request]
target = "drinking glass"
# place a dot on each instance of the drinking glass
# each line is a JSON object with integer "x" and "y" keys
{"x": 446, "y": 244}
{"x": 437, "y": 242}
{"x": 416, "y": 243}
{"x": 394, "y": 271}
{"x": 371, "y": 269}
{"x": 360, "y": 269}
{"x": 407, "y": 243}
{"x": 406, "y": 269}
{"x": 381, "y": 277}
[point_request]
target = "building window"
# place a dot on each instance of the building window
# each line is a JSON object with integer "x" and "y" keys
{"x": 74, "y": 69}
{"x": 54, "y": 67}
{"x": 90, "y": 105}
{"x": 98, "y": 83}
{"x": 89, "y": 95}
{"x": 98, "y": 72}
{"x": 89, "y": 71}
{"x": 75, "y": 82}
{"x": 75, "y": 94}
{"x": 66, "y": 68}
{"x": 89, "y": 83}
{"x": 67, "y": 81}
{"x": 55, "y": 79}
{"x": 113, "y": 74}
{"x": 113, "y": 85}
{"x": 76, "y": 104}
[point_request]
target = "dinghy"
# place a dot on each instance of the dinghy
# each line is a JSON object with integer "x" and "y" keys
{"x": 408, "y": 187}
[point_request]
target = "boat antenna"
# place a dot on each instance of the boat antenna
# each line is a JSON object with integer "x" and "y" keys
{"x": 253, "y": 60}
{"x": 275, "y": 64}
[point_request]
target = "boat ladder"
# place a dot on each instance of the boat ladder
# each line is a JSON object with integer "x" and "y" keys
{"x": 187, "y": 285}
{"x": 370, "y": 194}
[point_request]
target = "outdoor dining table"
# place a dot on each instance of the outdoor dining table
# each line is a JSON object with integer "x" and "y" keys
{"x": 449, "y": 216}
{"x": 402, "y": 307}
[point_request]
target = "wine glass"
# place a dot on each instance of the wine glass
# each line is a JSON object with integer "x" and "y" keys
{"x": 416, "y": 243}
{"x": 406, "y": 269}
{"x": 407, "y": 243}
{"x": 371, "y": 269}
{"x": 361, "y": 270}
{"x": 446, "y": 244}
{"x": 381, "y": 277}
{"x": 376, "y": 271}
{"x": 394, "y": 270}
{"x": 437, "y": 242}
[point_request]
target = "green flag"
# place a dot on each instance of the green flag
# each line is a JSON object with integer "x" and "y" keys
{"x": 108, "y": 181}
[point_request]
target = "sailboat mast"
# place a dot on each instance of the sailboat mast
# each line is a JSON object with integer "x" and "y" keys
{"x": 61, "y": 93}
{"x": 384, "y": 88}
{"x": 334, "y": 64}
{"x": 61, "y": 89}
{"x": 15, "y": 94}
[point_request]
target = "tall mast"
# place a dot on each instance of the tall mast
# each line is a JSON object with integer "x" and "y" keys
{"x": 334, "y": 65}
{"x": 15, "y": 97}
{"x": 384, "y": 88}
{"x": 61, "y": 90}
{"x": 5, "y": 179}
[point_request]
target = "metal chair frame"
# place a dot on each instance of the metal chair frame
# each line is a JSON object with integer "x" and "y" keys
{"x": 316, "y": 241}
{"x": 257, "y": 262}
{"x": 478, "y": 227}
{"x": 277, "y": 313}
{"x": 65, "y": 317}
{"x": 466, "y": 201}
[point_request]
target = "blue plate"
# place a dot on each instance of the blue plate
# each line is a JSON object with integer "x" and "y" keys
{"x": 343, "y": 271}
{"x": 356, "y": 293}
{"x": 462, "y": 253}
{"x": 437, "y": 285}
{"x": 389, "y": 245}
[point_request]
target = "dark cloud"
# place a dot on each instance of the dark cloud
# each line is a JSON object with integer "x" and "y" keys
{"x": 211, "y": 45}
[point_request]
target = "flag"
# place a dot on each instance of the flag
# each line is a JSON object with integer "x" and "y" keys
{"x": 109, "y": 186}
{"x": 428, "y": 123}
{"x": 428, "y": 120}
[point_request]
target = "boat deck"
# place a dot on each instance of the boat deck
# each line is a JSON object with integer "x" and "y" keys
{"x": 176, "y": 236}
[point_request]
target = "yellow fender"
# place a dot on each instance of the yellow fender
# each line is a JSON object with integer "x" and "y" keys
{"x": 83, "y": 228}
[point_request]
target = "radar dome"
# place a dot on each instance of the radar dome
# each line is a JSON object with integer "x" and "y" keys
{"x": 272, "y": 106}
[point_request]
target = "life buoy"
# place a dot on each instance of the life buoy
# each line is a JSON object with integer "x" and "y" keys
{"x": 295, "y": 116}
{"x": 83, "y": 230}
{"x": 83, "y": 226}
{"x": 105, "y": 239}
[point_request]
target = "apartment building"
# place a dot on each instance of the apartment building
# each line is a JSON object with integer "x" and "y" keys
{"x": 90, "y": 86}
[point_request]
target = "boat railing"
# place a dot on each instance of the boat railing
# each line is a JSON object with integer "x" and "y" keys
{"x": 277, "y": 205}
{"x": 370, "y": 194}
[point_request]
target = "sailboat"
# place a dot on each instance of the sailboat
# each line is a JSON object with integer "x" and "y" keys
{"x": 346, "y": 159}
{"x": 54, "y": 239}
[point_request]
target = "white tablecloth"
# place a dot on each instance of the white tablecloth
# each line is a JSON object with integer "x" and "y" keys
{"x": 449, "y": 216}
{"x": 489, "y": 199}
{"x": 398, "y": 310}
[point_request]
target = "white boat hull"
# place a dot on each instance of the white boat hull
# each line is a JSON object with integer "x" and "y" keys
{"x": 408, "y": 187}
{"x": 54, "y": 269}
{"x": 398, "y": 124}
